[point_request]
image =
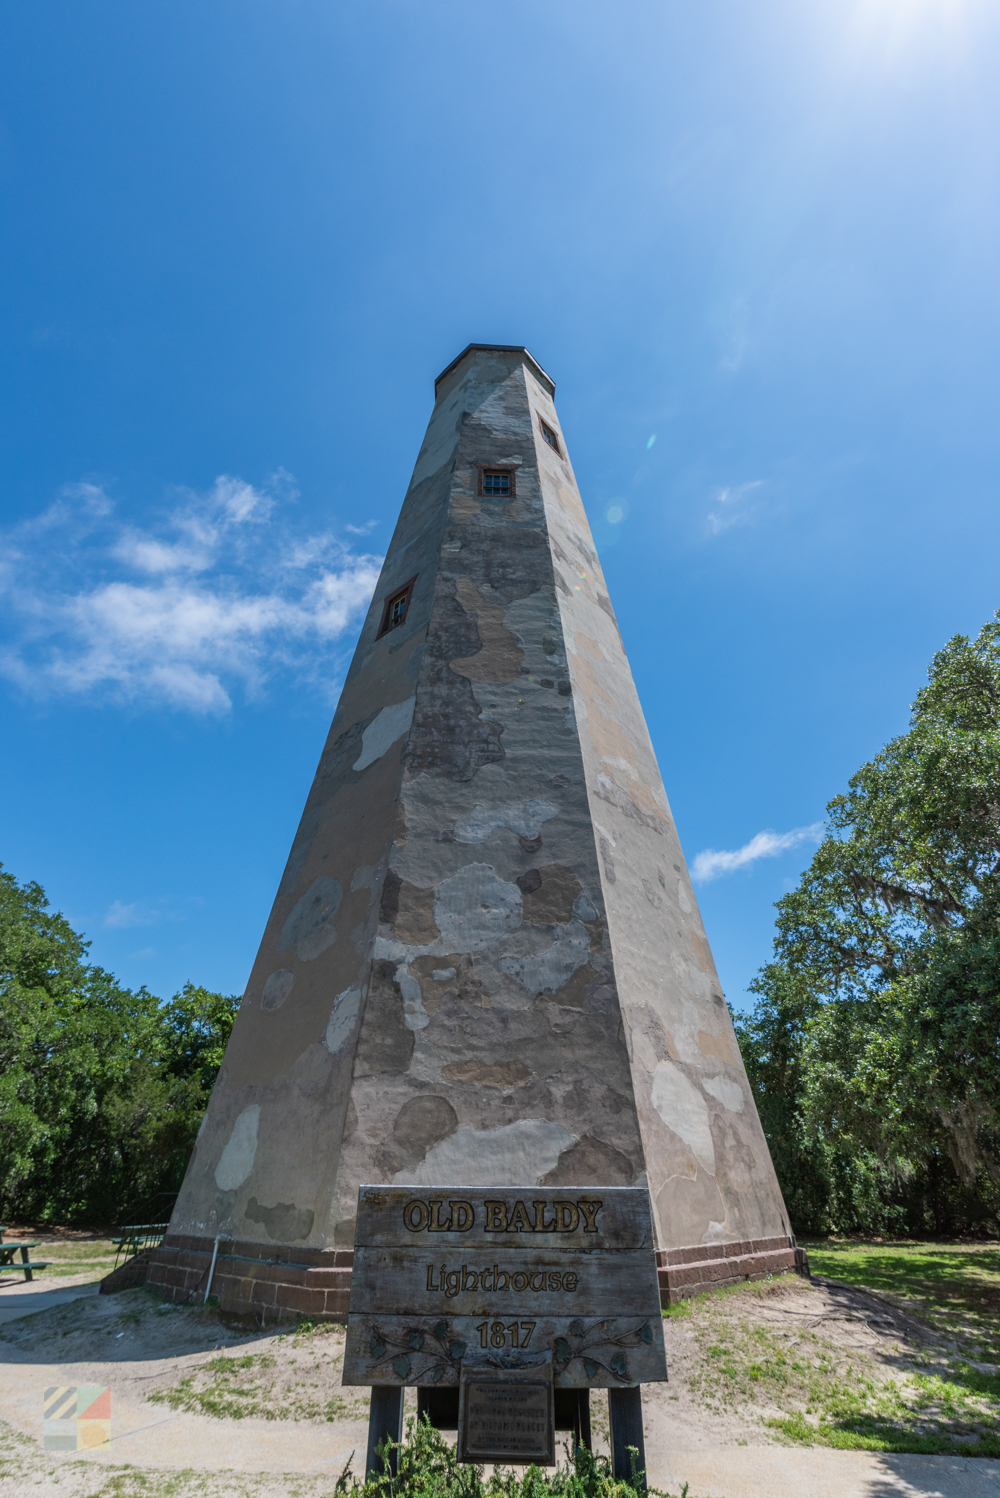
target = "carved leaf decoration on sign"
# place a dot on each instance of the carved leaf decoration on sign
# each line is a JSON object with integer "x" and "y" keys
{"x": 431, "y": 1362}
{"x": 598, "y": 1348}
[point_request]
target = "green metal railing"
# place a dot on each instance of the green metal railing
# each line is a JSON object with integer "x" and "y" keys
{"x": 133, "y": 1239}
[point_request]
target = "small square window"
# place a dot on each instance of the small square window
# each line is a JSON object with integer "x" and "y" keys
{"x": 550, "y": 436}
{"x": 395, "y": 609}
{"x": 497, "y": 481}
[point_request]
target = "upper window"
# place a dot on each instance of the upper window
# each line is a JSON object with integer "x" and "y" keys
{"x": 497, "y": 480}
{"x": 550, "y": 436}
{"x": 395, "y": 608}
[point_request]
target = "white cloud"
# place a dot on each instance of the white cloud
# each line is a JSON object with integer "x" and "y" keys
{"x": 119, "y": 917}
{"x": 737, "y": 513}
{"x": 181, "y": 611}
{"x": 710, "y": 863}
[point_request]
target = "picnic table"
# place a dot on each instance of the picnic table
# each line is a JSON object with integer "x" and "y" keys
{"x": 7, "y": 1260}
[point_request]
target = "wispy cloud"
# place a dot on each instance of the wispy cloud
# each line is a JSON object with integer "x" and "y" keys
{"x": 712, "y": 862}
{"x": 120, "y": 917}
{"x": 181, "y": 611}
{"x": 731, "y": 507}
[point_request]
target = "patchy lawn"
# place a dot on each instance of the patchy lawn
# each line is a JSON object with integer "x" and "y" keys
{"x": 899, "y": 1353}
{"x": 72, "y": 1252}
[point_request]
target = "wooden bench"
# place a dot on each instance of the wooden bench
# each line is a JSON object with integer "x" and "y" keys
{"x": 7, "y": 1260}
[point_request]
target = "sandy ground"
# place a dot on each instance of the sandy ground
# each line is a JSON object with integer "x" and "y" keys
{"x": 57, "y": 1332}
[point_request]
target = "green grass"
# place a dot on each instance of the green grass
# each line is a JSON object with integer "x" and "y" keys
{"x": 251, "y": 1387}
{"x": 956, "y": 1286}
{"x": 940, "y": 1395}
{"x": 94, "y": 1256}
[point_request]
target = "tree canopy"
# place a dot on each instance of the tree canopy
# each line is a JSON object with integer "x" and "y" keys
{"x": 874, "y": 1047}
{"x": 102, "y": 1089}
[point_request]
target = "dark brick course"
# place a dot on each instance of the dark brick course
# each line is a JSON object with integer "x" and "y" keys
{"x": 277, "y": 1283}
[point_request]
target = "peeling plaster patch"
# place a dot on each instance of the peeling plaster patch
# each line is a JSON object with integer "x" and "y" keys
{"x": 702, "y": 952}
{"x": 525, "y": 817}
{"x": 584, "y": 908}
{"x": 549, "y": 894}
{"x": 683, "y": 1109}
{"x": 276, "y": 989}
{"x": 442, "y": 974}
{"x": 652, "y": 895}
{"x": 730, "y": 1094}
{"x": 365, "y": 878}
{"x": 499, "y": 656}
{"x": 516, "y": 1154}
{"x": 285, "y": 1223}
{"x": 309, "y": 928}
{"x": 415, "y": 1016}
{"x": 612, "y": 793}
{"x": 383, "y": 731}
{"x": 236, "y": 1161}
{"x": 475, "y": 907}
{"x": 717, "y": 1046}
{"x": 550, "y": 969}
{"x": 343, "y": 1018}
{"x": 715, "y": 1233}
{"x": 589, "y": 647}
{"x": 501, "y": 1074}
{"x": 682, "y": 898}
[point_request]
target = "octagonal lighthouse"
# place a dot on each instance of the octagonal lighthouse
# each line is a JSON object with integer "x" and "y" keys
{"x": 484, "y": 964}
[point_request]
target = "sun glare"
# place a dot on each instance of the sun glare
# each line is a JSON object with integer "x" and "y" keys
{"x": 896, "y": 28}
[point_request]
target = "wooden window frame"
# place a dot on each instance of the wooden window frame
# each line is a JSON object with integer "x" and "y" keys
{"x": 551, "y": 431}
{"x": 406, "y": 591}
{"x": 508, "y": 468}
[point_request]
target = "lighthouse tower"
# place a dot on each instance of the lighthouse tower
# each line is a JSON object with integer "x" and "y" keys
{"x": 485, "y": 963}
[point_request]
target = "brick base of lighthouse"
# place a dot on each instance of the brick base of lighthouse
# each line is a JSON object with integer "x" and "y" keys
{"x": 273, "y": 1283}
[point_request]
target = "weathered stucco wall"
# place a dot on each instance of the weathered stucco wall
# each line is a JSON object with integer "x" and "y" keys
{"x": 485, "y": 962}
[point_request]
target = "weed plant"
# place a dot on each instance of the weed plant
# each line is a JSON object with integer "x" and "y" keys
{"x": 428, "y": 1467}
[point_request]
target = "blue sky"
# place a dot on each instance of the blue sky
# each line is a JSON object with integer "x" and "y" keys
{"x": 240, "y": 239}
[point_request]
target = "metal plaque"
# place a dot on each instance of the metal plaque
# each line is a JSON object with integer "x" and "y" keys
{"x": 506, "y": 1418}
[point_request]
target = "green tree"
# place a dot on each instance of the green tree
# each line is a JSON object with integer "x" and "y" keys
{"x": 875, "y": 1043}
{"x": 102, "y": 1089}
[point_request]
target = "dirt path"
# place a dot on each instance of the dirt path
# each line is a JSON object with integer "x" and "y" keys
{"x": 199, "y": 1408}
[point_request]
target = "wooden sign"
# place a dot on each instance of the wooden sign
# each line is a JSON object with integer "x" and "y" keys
{"x": 512, "y": 1276}
{"x": 506, "y": 1417}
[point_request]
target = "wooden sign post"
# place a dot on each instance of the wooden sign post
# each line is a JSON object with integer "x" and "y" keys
{"x": 462, "y": 1285}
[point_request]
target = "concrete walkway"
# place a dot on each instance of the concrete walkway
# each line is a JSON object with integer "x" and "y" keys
{"x": 780, "y": 1472}
{"x": 153, "y": 1437}
{"x": 20, "y": 1297}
